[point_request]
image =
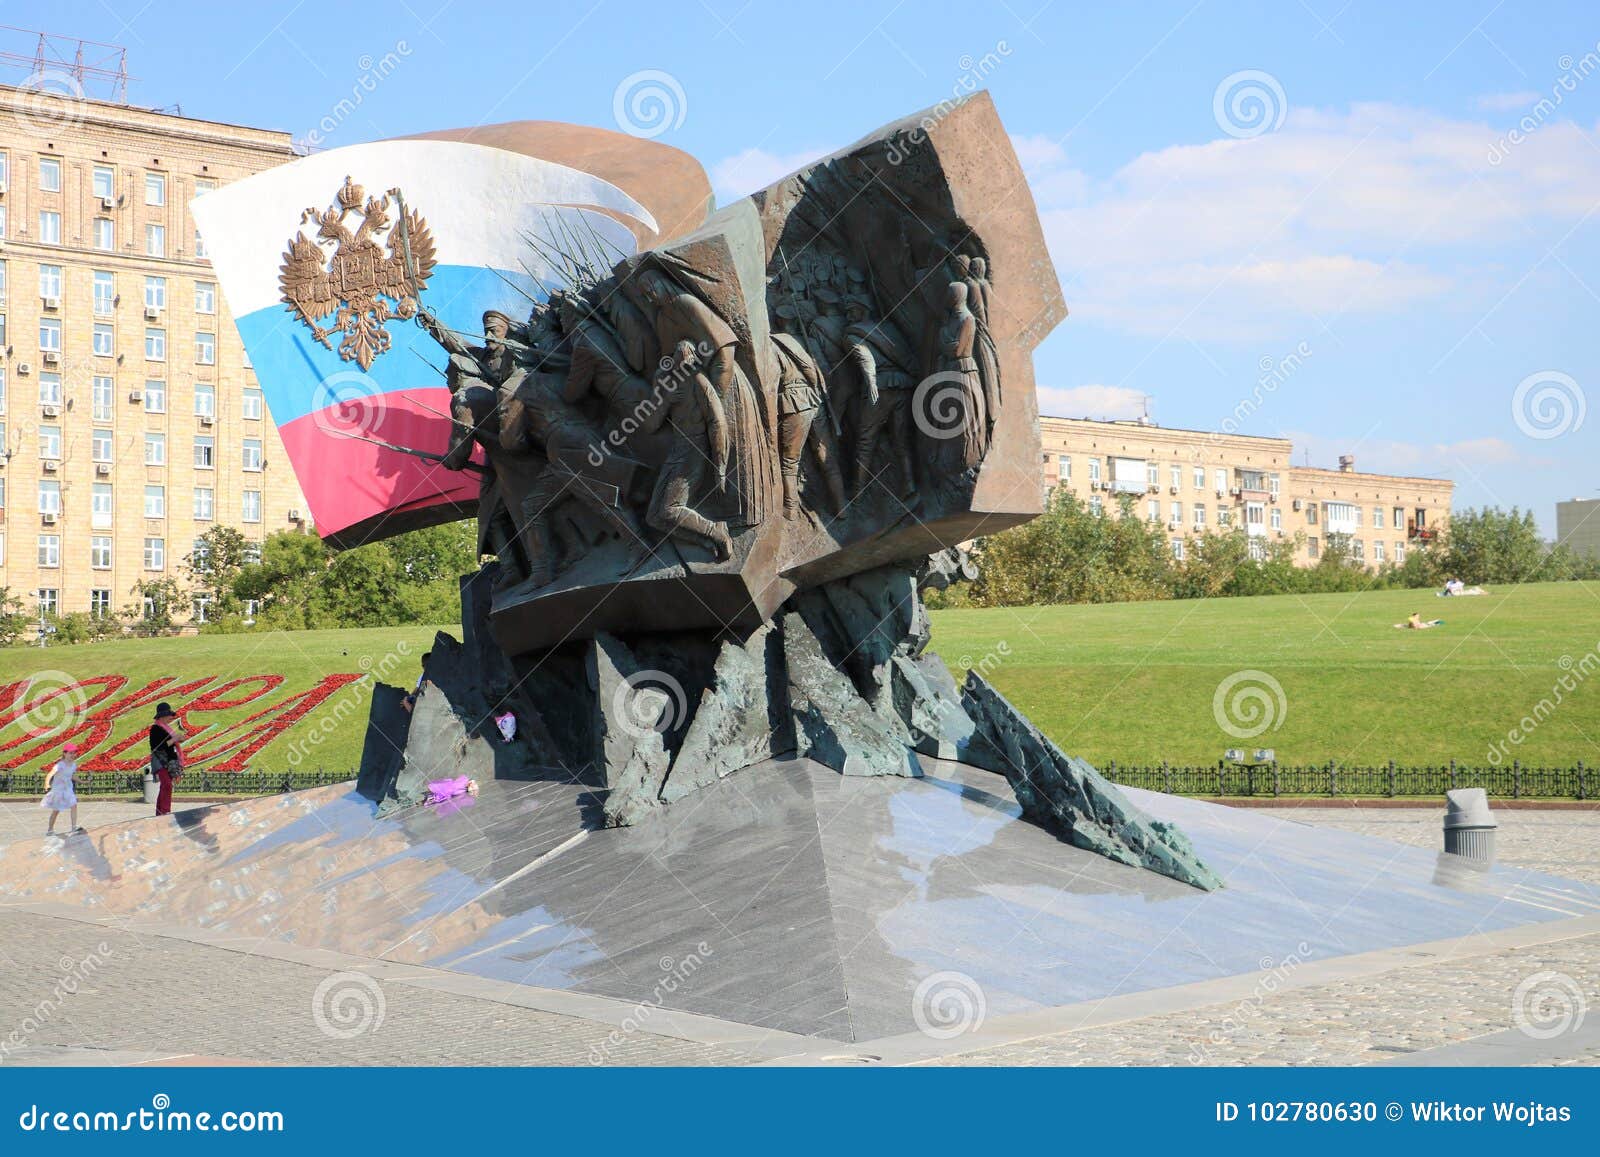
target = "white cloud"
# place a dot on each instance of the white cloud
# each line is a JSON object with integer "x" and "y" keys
{"x": 1388, "y": 456}
{"x": 1507, "y": 101}
{"x": 745, "y": 173}
{"x": 1094, "y": 401}
{"x": 1366, "y": 210}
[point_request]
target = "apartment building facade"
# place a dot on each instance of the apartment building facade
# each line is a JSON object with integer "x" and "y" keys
{"x": 130, "y": 419}
{"x": 1194, "y": 481}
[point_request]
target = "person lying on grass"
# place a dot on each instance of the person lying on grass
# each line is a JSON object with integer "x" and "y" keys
{"x": 1417, "y": 623}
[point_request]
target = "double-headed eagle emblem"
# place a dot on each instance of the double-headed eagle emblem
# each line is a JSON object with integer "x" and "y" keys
{"x": 374, "y": 264}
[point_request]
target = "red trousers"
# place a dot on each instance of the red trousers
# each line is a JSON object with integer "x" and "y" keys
{"x": 164, "y": 796}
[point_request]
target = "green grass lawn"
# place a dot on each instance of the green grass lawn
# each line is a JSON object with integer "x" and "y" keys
{"x": 1131, "y": 682}
{"x": 1135, "y": 682}
{"x": 302, "y": 657}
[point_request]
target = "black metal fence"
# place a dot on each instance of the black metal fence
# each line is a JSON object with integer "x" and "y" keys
{"x": 1508, "y": 781}
{"x": 190, "y": 783}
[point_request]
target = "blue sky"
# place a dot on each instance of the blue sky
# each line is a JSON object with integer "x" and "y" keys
{"x": 1373, "y": 215}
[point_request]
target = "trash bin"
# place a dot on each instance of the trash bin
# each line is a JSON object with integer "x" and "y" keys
{"x": 1469, "y": 825}
{"x": 151, "y": 787}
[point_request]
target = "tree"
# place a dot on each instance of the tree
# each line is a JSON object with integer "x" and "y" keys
{"x": 1492, "y": 546}
{"x": 436, "y": 553}
{"x": 284, "y": 583}
{"x": 214, "y": 567}
{"x": 1070, "y": 554}
{"x": 152, "y": 613}
{"x": 13, "y": 619}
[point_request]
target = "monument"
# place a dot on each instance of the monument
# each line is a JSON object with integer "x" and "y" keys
{"x": 714, "y": 464}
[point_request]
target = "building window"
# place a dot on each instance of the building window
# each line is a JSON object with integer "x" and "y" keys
{"x": 205, "y": 297}
{"x": 1277, "y": 518}
{"x": 1153, "y": 474}
{"x": 49, "y": 389}
{"x": 50, "y": 174}
{"x": 1399, "y": 552}
{"x": 49, "y": 496}
{"x": 1153, "y": 510}
{"x": 49, "y": 600}
{"x": 50, "y": 282}
{"x": 50, "y": 551}
{"x": 50, "y": 334}
{"x": 201, "y": 604}
{"x": 1258, "y": 550}
{"x": 155, "y": 449}
{"x": 1311, "y": 547}
{"x": 251, "y": 408}
{"x": 1377, "y": 550}
{"x": 49, "y": 227}
{"x": 155, "y": 188}
{"x": 1063, "y": 461}
{"x": 1399, "y": 513}
{"x": 103, "y": 183}
{"x": 155, "y": 293}
{"x": 1199, "y": 477}
{"x": 104, "y": 342}
{"x": 1358, "y": 549}
{"x": 1254, "y": 514}
{"x": 155, "y": 396}
{"x": 204, "y": 502}
{"x": 155, "y": 554}
{"x": 250, "y": 506}
{"x": 252, "y": 454}
{"x": 205, "y": 456}
{"x": 1094, "y": 470}
{"x": 205, "y": 401}
{"x": 100, "y": 552}
{"x": 1272, "y": 486}
{"x": 155, "y": 501}
{"x": 101, "y": 398}
{"x": 1377, "y": 518}
{"x": 1176, "y": 474}
{"x": 155, "y": 241}
{"x": 1311, "y": 513}
{"x": 205, "y": 349}
{"x": 50, "y": 442}
{"x": 1177, "y": 512}
{"x": 251, "y": 555}
{"x": 100, "y": 445}
{"x": 100, "y": 512}
{"x": 1220, "y": 477}
{"x": 1177, "y": 549}
{"x": 1199, "y": 515}
{"x": 1095, "y": 505}
{"x": 155, "y": 344}
{"x": 100, "y": 602}
{"x": 105, "y": 293}
{"x": 105, "y": 234}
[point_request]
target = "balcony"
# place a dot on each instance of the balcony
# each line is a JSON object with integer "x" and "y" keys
{"x": 1420, "y": 533}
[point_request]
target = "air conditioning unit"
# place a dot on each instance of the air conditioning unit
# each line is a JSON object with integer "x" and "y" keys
{"x": 151, "y": 313}
{"x": 51, "y": 465}
{"x": 1173, "y": 525}
{"x": 2, "y": 186}
{"x": 135, "y": 395}
{"x": 207, "y": 420}
{"x": 48, "y": 519}
{"x": 102, "y": 468}
{"x": 24, "y": 368}
{"x": 50, "y": 303}
{"x": 1222, "y": 493}
{"x": 1172, "y": 489}
{"x": 1298, "y": 504}
{"x": 108, "y": 203}
{"x": 51, "y": 358}
{"x": 294, "y": 515}
{"x": 50, "y": 411}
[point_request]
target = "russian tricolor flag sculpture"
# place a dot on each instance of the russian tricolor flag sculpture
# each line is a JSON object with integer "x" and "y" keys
{"x": 325, "y": 275}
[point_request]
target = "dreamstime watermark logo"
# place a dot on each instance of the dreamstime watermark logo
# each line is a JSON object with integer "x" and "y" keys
{"x": 50, "y": 100}
{"x": 1548, "y": 404}
{"x": 1274, "y": 372}
{"x": 1574, "y": 673}
{"x": 370, "y": 73}
{"x": 73, "y": 974}
{"x": 351, "y": 707}
{"x": 1547, "y": 1005}
{"x": 347, "y": 1005}
{"x": 1573, "y": 73}
{"x": 947, "y": 1004}
{"x": 672, "y": 373}
{"x": 649, "y": 701}
{"x": 973, "y": 72}
{"x": 348, "y": 404}
{"x": 1234, "y": 1020}
{"x": 675, "y": 973}
{"x": 1248, "y": 703}
{"x": 1249, "y": 103}
{"x": 53, "y": 699}
{"x": 648, "y": 103}
{"x": 939, "y": 405}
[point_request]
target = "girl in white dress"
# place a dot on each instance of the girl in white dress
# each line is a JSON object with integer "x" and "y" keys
{"x": 59, "y": 795}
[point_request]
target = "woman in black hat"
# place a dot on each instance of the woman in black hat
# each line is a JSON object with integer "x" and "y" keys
{"x": 166, "y": 757}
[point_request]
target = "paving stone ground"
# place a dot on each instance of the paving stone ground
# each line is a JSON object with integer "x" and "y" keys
{"x": 152, "y": 998}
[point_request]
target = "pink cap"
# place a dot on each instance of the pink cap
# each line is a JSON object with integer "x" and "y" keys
{"x": 72, "y": 747}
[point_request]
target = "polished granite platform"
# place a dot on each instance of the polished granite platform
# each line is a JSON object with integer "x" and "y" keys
{"x": 786, "y": 897}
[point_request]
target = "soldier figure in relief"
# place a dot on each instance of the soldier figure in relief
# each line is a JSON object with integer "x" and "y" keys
{"x": 884, "y": 363}
{"x": 804, "y": 417}
{"x": 691, "y": 408}
{"x": 474, "y": 376}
